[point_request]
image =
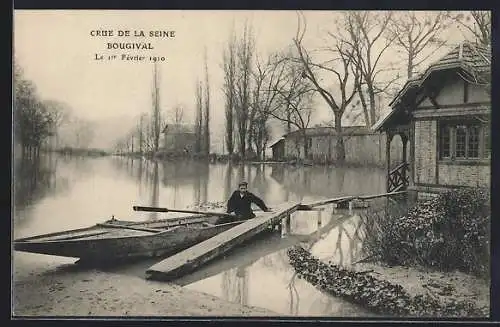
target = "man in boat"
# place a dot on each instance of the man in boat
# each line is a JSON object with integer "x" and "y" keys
{"x": 241, "y": 201}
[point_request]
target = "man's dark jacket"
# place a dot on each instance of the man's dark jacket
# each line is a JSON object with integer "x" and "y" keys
{"x": 241, "y": 206}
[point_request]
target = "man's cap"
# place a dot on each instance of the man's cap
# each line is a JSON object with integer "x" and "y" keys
{"x": 243, "y": 184}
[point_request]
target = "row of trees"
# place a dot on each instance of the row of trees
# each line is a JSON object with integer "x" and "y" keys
{"x": 42, "y": 123}
{"x": 257, "y": 90}
{"x": 357, "y": 67}
{"x": 202, "y": 121}
{"x": 354, "y": 68}
{"x": 145, "y": 137}
{"x": 141, "y": 138}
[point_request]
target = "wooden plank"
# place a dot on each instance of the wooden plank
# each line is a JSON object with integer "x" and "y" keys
{"x": 69, "y": 237}
{"x": 190, "y": 259}
{"x": 174, "y": 221}
{"x": 206, "y": 213}
{"x": 307, "y": 207}
{"x": 143, "y": 229}
{"x": 367, "y": 197}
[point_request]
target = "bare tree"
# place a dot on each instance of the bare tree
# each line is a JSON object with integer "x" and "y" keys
{"x": 148, "y": 135}
{"x": 140, "y": 133}
{"x": 477, "y": 24}
{"x": 35, "y": 120}
{"x": 365, "y": 36}
{"x": 59, "y": 114}
{"x": 293, "y": 98}
{"x": 148, "y": 125}
{"x": 199, "y": 116}
{"x": 347, "y": 76}
{"x": 178, "y": 114}
{"x": 206, "y": 134}
{"x": 417, "y": 34}
{"x": 156, "y": 110}
{"x": 83, "y": 133}
{"x": 244, "y": 52}
{"x": 266, "y": 81}
{"x": 229, "y": 64}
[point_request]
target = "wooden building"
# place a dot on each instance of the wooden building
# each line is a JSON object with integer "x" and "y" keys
{"x": 363, "y": 146}
{"x": 442, "y": 118}
{"x": 278, "y": 149}
{"x": 179, "y": 139}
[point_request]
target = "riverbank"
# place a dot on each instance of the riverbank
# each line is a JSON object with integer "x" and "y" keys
{"x": 52, "y": 289}
{"x": 397, "y": 290}
{"x": 236, "y": 160}
{"x": 445, "y": 287}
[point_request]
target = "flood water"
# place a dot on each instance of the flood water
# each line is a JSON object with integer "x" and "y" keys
{"x": 56, "y": 193}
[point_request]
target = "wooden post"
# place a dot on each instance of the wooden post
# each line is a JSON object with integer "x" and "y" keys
{"x": 350, "y": 208}
{"x": 319, "y": 219}
{"x": 285, "y": 226}
{"x": 287, "y": 223}
{"x": 404, "y": 139}
{"x": 388, "y": 158}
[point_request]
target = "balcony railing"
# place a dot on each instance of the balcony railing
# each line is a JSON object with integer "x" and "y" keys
{"x": 397, "y": 179}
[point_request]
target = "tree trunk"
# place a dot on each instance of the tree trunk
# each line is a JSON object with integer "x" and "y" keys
{"x": 368, "y": 122}
{"x": 409, "y": 68}
{"x": 207, "y": 111}
{"x": 339, "y": 146}
{"x": 229, "y": 127}
{"x": 306, "y": 146}
{"x": 250, "y": 140}
{"x": 242, "y": 137}
{"x": 288, "y": 121}
{"x": 373, "y": 114}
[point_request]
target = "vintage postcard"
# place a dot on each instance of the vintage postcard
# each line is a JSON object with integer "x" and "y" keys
{"x": 251, "y": 163}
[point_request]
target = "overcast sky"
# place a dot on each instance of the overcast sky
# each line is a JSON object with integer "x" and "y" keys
{"x": 56, "y": 50}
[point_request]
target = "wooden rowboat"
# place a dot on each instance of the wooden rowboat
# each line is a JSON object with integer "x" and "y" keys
{"x": 117, "y": 240}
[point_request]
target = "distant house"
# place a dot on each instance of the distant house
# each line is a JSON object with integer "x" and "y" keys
{"x": 362, "y": 146}
{"x": 278, "y": 148}
{"x": 444, "y": 117}
{"x": 179, "y": 138}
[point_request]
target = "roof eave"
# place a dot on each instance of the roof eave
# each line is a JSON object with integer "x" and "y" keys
{"x": 418, "y": 82}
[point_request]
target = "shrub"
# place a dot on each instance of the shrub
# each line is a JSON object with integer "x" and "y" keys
{"x": 451, "y": 231}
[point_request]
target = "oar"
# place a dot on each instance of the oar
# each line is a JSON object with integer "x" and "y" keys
{"x": 156, "y": 209}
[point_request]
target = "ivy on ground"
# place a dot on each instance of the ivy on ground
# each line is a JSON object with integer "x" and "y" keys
{"x": 378, "y": 295}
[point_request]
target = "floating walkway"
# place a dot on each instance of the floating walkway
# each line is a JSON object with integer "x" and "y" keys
{"x": 190, "y": 259}
{"x": 197, "y": 255}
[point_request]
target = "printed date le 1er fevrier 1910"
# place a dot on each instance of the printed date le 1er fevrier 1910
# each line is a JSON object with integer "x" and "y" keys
{"x": 128, "y": 57}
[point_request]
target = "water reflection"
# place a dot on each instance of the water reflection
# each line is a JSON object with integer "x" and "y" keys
{"x": 65, "y": 193}
{"x": 269, "y": 279}
{"x": 341, "y": 244}
{"x": 34, "y": 180}
{"x": 234, "y": 285}
{"x": 206, "y": 182}
{"x": 328, "y": 181}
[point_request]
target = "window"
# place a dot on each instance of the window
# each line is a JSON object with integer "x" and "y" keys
{"x": 473, "y": 142}
{"x": 309, "y": 142}
{"x": 486, "y": 142}
{"x": 445, "y": 145}
{"x": 464, "y": 141}
{"x": 461, "y": 141}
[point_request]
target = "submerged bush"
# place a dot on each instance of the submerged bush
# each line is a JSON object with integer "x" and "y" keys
{"x": 451, "y": 231}
{"x": 375, "y": 294}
